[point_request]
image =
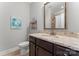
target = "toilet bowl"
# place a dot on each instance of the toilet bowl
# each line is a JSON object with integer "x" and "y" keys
{"x": 24, "y": 47}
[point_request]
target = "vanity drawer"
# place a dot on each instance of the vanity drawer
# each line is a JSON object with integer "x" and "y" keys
{"x": 32, "y": 39}
{"x": 44, "y": 44}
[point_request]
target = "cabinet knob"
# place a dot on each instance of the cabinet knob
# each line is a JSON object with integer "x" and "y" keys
{"x": 65, "y": 54}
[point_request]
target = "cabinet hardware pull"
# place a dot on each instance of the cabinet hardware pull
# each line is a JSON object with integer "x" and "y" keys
{"x": 65, "y": 54}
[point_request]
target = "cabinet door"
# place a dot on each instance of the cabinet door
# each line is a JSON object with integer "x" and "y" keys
{"x": 32, "y": 39}
{"x": 31, "y": 49}
{"x": 60, "y": 51}
{"x": 41, "y": 52}
{"x": 44, "y": 44}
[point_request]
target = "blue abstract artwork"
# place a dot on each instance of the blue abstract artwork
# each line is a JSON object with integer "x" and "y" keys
{"x": 15, "y": 23}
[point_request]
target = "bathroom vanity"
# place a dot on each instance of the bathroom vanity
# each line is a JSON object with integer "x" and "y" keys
{"x": 42, "y": 44}
{"x": 56, "y": 19}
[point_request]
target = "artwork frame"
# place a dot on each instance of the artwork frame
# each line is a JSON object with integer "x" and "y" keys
{"x": 15, "y": 23}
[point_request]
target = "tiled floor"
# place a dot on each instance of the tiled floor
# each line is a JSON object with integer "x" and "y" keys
{"x": 17, "y": 53}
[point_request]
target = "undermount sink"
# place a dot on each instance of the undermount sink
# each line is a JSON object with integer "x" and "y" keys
{"x": 49, "y": 35}
{"x": 58, "y": 36}
{"x": 43, "y": 34}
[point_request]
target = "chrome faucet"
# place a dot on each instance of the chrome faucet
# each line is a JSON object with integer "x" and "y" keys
{"x": 53, "y": 21}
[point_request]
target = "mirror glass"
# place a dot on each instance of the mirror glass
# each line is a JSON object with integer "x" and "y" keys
{"x": 57, "y": 11}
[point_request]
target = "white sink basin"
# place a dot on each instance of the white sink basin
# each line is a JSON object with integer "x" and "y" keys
{"x": 43, "y": 34}
{"x": 49, "y": 35}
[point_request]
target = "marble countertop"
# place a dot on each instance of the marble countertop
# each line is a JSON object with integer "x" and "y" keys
{"x": 66, "y": 41}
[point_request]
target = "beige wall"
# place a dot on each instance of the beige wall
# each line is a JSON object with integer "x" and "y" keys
{"x": 72, "y": 13}
{"x": 10, "y": 38}
{"x": 36, "y": 11}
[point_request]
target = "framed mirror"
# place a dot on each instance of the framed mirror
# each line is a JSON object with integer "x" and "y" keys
{"x": 56, "y": 10}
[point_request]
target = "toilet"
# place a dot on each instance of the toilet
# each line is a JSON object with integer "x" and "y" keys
{"x": 24, "y": 48}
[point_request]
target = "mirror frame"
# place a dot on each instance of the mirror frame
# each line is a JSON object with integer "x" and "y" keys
{"x": 65, "y": 25}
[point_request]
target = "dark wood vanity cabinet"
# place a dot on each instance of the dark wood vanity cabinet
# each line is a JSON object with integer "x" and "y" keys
{"x": 73, "y": 53}
{"x": 39, "y": 47}
{"x": 32, "y": 49}
{"x": 64, "y": 51}
{"x": 60, "y": 51}
{"x": 42, "y": 52}
{"x": 32, "y": 46}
